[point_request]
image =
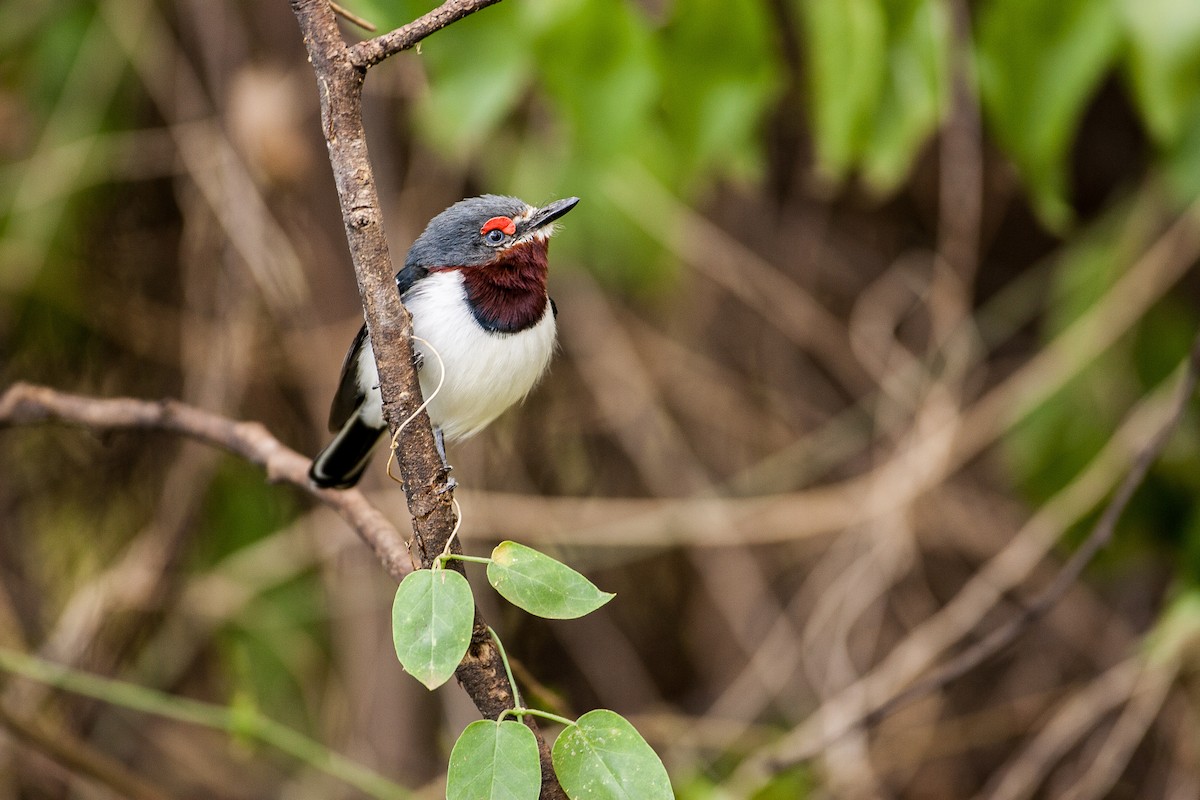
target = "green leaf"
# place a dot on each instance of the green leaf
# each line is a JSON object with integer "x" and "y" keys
{"x": 845, "y": 43}
{"x": 714, "y": 98}
{"x": 1039, "y": 64}
{"x": 431, "y": 624}
{"x": 1181, "y": 164}
{"x": 877, "y": 72}
{"x": 541, "y": 585}
{"x": 1164, "y": 63}
{"x": 1163, "y": 70}
{"x": 596, "y": 64}
{"x": 469, "y": 98}
{"x": 915, "y": 89}
{"x": 494, "y": 761}
{"x": 603, "y": 757}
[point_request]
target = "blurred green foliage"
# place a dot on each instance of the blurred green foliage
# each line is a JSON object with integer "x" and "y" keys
{"x": 1163, "y": 64}
{"x": 878, "y": 70}
{"x": 795, "y": 783}
{"x": 546, "y": 97}
{"x": 878, "y": 82}
{"x": 553, "y": 97}
{"x": 239, "y": 510}
{"x": 1039, "y": 64}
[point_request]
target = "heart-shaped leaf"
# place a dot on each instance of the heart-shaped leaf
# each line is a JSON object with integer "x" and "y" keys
{"x": 603, "y": 757}
{"x": 494, "y": 761}
{"x": 431, "y": 624}
{"x": 541, "y": 585}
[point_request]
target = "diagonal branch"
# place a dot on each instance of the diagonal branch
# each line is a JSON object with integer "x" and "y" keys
{"x": 26, "y": 404}
{"x": 80, "y": 757}
{"x": 786, "y": 755}
{"x": 1099, "y": 537}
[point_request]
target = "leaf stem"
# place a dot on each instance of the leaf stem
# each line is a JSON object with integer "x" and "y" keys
{"x": 533, "y": 712}
{"x": 518, "y": 709}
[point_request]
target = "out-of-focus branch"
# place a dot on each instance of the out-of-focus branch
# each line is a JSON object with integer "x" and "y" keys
{"x": 26, "y": 404}
{"x": 960, "y": 163}
{"x": 245, "y": 722}
{"x": 1099, "y": 537}
{"x": 1101, "y": 534}
{"x": 64, "y": 748}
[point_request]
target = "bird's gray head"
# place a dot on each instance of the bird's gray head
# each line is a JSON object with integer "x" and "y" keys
{"x": 480, "y": 230}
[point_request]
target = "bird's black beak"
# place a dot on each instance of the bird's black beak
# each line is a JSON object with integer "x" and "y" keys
{"x": 548, "y": 213}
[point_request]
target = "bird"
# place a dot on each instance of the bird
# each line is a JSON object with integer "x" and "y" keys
{"x": 475, "y": 284}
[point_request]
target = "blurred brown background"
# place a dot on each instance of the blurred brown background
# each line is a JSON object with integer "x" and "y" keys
{"x": 864, "y": 312}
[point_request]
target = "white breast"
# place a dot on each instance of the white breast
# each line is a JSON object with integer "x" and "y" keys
{"x": 485, "y": 372}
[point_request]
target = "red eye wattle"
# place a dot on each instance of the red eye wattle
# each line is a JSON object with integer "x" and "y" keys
{"x": 503, "y": 224}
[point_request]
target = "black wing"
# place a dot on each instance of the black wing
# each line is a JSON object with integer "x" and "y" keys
{"x": 406, "y": 277}
{"x": 349, "y": 394}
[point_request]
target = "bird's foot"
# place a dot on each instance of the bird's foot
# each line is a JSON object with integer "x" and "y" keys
{"x": 440, "y": 441}
{"x": 449, "y": 485}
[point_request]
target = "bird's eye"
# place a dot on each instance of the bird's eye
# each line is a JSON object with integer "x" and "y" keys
{"x": 496, "y": 228}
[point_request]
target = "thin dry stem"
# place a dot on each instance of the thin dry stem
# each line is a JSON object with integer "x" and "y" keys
{"x": 351, "y": 17}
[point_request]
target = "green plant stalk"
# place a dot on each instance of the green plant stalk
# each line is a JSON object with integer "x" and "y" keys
{"x": 520, "y": 709}
{"x": 234, "y": 721}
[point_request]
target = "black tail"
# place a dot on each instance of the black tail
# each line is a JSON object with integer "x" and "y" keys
{"x": 343, "y": 461}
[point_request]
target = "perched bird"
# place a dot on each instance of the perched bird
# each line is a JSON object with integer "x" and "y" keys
{"x": 475, "y": 283}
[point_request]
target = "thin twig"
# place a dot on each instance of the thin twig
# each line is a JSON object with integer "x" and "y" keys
{"x": 369, "y": 53}
{"x": 1061, "y": 731}
{"x": 1099, "y": 537}
{"x": 351, "y": 17}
